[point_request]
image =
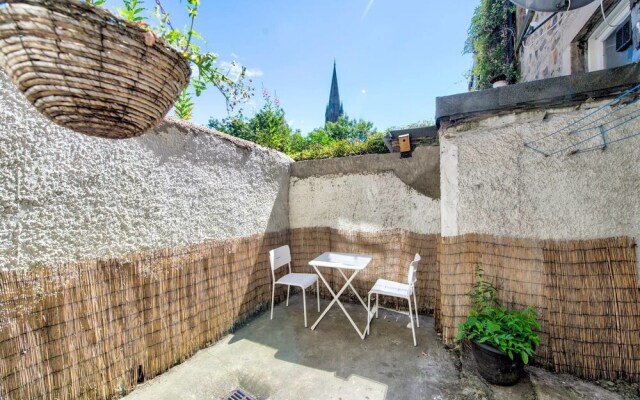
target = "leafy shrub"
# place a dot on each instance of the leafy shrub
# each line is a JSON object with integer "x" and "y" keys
{"x": 373, "y": 144}
{"x": 490, "y": 323}
{"x": 490, "y": 40}
{"x": 269, "y": 127}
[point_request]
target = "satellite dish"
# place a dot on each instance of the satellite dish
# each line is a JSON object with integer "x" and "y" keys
{"x": 552, "y": 5}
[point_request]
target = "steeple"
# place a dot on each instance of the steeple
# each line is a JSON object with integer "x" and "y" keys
{"x": 334, "y": 108}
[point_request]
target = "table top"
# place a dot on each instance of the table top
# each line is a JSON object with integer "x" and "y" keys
{"x": 341, "y": 260}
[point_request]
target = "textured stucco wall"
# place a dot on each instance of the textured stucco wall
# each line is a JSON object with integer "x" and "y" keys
{"x": 549, "y": 51}
{"x": 421, "y": 171}
{"x": 493, "y": 184}
{"x": 361, "y": 202}
{"x": 65, "y": 196}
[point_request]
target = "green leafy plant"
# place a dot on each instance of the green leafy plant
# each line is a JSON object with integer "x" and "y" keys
{"x": 233, "y": 86}
{"x": 132, "y": 10}
{"x": 490, "y": 39}
{"x": 490, "y": 323}
{"x": 184, "y": 106}
{"x": 373, "y": 144}
{"x": 269, "y": 127}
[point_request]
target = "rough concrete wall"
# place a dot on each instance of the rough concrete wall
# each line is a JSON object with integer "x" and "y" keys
{"x": 548, "y": 52}
{"x": 361, "y": 202}
{"x": 66, "y": 196}
{"x": 421, "y": 171}
{"x": 367, "y": 193}
{"x": 493, "y": 184}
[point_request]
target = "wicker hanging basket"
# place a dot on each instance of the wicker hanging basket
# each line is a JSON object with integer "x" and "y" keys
{"x": 87, "y": 70}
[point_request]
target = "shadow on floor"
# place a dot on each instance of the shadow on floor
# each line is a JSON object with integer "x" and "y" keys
{"x": 281, "y": 359}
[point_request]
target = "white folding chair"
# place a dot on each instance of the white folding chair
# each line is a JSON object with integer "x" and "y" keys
{"x": 400, "y": 290}
{"x": 280, "y": 257}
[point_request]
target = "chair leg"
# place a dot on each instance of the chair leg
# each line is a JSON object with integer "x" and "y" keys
{"x": 304, "y": 303}
{"x": 415, "y": 304}
{"x": 377, "y": 305}
{"x": 273, "y": 294}
{"x": 368, "y": 313}
{"x": 413, "y": 329}
{"x": 288, "y": 288}
{"x": 318, "y": 293}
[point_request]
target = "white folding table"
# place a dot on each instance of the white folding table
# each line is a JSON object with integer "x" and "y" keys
{"x": 341, "y": 262}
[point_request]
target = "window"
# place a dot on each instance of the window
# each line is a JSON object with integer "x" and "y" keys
{"x": 609, "y": 46}
{"x": 617, "y": 47}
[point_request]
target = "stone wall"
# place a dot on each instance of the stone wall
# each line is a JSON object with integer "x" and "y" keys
{"x": 65, "y": 196}
{"x": 551, "y": 50}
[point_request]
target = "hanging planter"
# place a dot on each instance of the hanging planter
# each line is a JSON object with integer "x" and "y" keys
{"x": 87, "y": 70}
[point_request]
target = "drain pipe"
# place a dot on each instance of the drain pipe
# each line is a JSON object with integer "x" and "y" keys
{"x": 525, "y": 27}
{"x": 528, "y": 30}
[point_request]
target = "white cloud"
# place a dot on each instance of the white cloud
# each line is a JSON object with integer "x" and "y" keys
{"x": 233, "y": 70}
{"x": 234, "y": 56}
{"x": 366, "y": 10}
{"x": 252, "y": 72}
{"x": 364, "y": 91}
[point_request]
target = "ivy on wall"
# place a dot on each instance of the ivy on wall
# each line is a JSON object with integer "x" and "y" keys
{"x": 491, "y": 39}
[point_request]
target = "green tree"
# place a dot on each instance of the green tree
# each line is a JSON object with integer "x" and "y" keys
{"x": 319, "y": 136}
{"x": 346, "y": 128}
{"x": 268, "y": 127}
{"x": 298, "y": 142}
{"x": 237, "y": 126}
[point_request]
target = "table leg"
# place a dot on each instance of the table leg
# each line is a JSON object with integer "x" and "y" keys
{"x": 353, "y": 290}
{"x": 326, "y": 284}
{"x": 336, "y": 297}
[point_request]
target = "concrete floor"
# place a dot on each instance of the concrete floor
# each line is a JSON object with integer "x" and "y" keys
{"x": 281, "y": 359}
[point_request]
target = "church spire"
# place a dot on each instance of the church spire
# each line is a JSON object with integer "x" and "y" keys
{"x": 334, "y": 108}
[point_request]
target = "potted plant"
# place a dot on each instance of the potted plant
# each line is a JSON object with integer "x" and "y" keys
{"x": 499, "y": 81}
{"x": 502, "y": 340}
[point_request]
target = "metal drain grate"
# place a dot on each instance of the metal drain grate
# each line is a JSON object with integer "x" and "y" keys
{"x": 239, "y": 394}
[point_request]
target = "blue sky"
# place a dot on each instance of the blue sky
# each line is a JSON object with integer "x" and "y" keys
{"x": 393, "y": 57}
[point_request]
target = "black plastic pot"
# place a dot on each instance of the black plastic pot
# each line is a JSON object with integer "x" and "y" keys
{"x": 495, "y": 366}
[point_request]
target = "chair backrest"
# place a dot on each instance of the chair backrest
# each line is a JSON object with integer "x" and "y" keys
{"x": 412, "y": 277}
{"x": 280, "y": 257}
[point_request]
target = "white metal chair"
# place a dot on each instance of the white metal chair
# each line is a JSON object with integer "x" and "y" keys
{"x": 280, "y": 257}
{"x": 400, "y": 290}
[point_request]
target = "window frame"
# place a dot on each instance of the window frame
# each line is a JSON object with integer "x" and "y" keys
{"x": 595, "y": 44}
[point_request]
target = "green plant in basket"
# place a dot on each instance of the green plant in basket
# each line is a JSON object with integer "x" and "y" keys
{"x": 230, "y": 84}
{"x": 509, "y": 331}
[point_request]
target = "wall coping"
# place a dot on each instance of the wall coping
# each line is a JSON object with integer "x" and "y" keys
{"x": 553, "y": 92}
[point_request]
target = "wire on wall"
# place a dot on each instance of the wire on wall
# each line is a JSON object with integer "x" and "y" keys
{"x": 597, "y": 130}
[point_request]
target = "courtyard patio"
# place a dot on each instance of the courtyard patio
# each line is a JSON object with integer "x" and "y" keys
{"x": 281, "y": 359}
{"x": 148, "y": 268}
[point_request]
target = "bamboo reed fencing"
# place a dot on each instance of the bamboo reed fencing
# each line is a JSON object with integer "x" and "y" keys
{"x": 585, "y": 292}
{"x": 392, "y": 251}
{"x": 93, "y": 329}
